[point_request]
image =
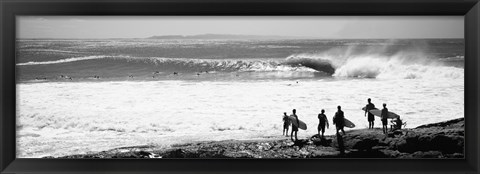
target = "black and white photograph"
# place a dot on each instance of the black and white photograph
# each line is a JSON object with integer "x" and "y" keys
{"x": 240, "y": 87}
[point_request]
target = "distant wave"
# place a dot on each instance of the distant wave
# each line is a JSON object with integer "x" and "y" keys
{"x": 73, "y": 59}
{"x": 190, "y": 64}
{"x": 50, "y": 50}
{"x": 226, "y": 65}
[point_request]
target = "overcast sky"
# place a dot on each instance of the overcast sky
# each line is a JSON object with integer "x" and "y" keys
{"x": 311, "y": 26}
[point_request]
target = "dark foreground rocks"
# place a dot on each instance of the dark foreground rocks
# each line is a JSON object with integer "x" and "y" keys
{"x": 440, "y": 140}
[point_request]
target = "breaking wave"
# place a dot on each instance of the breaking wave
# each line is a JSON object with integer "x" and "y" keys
{"x": 187, "y": 64}
{"x": 73, "y": 59}
{"x": 394, "y": 68}
{"x": 350, "y": 63}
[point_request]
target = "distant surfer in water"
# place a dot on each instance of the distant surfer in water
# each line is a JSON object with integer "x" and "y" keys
{"x": 338, "y": 120}
{"x": 384, "y": 117}
{"x": 371, "y": 117}
{"x": 65, "y": 77}
{"x": 294, "y": 128}
{"x": 286, "y": 124}
{"x": 322, "y": 121}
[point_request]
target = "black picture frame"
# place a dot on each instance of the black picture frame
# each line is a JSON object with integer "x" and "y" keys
{"x": 470, "y": 9}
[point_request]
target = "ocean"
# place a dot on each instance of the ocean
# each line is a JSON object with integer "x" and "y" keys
{"x": 80, "y": 96}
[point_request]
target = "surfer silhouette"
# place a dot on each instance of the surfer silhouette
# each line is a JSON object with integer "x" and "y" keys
{"x": 384, "y": 117}
{"x": 294, "y": 128}
{"x": 397, "y": 124}
{"x": 371, "y": 117}
{"x": 339, "y": 120}
{"x": 322, "y": 121}
{"x": 286, "y": 124}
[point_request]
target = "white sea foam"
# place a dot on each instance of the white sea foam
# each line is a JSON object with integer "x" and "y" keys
{"x": 368, "y": 67}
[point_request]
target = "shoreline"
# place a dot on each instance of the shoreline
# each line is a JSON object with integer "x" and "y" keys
{"x": 437, "y": 140}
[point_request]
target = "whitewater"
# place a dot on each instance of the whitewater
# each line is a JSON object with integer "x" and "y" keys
{"x": 214, "y": 99}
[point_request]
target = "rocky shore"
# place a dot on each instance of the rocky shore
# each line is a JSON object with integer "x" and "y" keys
{"x": 439, "y": 140}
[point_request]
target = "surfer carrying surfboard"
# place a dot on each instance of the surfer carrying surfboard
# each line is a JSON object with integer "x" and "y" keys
{"x": 322, "y": 121}
{"x": 286, "y": 124}
{"x": 384, "y": 117}
{"x": 338, "y": 120}
{"x": 371, "y": 117}
{"x": 294, "y": 126}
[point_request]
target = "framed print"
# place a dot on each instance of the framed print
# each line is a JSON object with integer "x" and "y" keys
{"x": 201, "y": 95}
{"x": 254, "y": 86}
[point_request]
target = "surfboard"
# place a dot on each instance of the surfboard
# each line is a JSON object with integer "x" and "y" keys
{"x": 378, "y": 113}
{"x": 294, "y": 122}
{"x": 364, "y": 108}
{"x": 348, "y": 123}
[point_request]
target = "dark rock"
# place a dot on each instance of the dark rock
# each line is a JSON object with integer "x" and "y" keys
{"x": 377, "y": 148}
{"x": 366, "y": 154}
{"x": 391, "y": 153}
{"x": 143, "y": 154}
{"x": 395, "y": 133}
{"x": 437, "y": 142}
{"x": 322, "y": 142}
{"x": 300, "y": 143}
{"x": 179, "y": 153}
{"x": 447, "y": 144}
{"x": 409, "y": 145}
{"x": 324, "y": 153}
{"x": 443, "y": 124}
{"x": 365, "y": 144}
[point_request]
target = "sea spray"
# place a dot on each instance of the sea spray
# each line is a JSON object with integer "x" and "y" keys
{"x": 353, "y": 62}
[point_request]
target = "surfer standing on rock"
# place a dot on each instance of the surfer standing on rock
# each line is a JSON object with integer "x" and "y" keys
{"x": 371, "y": 117}
{"x": 294, "y": 127}
{"x": 384, "y": 118}
{"x": 339, "y": 120}
{"x": 286, "y": 124}
{"x": 322, "y": 121}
